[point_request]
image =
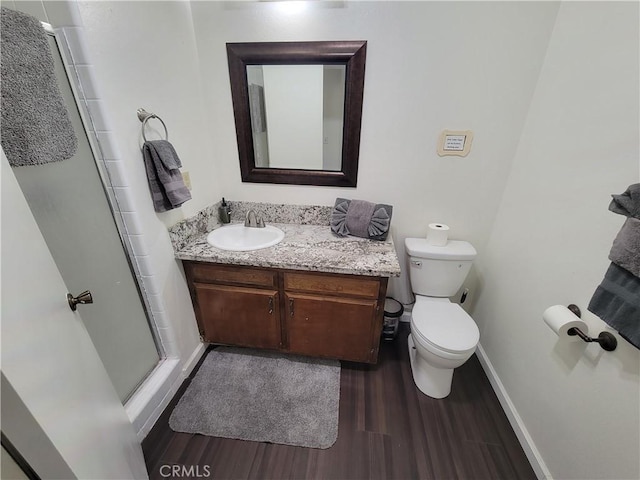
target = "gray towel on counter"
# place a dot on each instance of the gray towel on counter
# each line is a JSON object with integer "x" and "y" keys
{"x": 361, "y": 219}
{"x": 625, "y": 251}
{"x": 617, "y": 302}
{"x": 627, "y": 203}
{"x": 35, "y": 123}
{"x": 162, "y": 164}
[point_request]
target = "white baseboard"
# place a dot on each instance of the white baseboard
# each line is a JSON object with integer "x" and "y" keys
{"x": 533, "y": 455}
{"x": 153, "y": 396}
{"x": 193, "y": 360}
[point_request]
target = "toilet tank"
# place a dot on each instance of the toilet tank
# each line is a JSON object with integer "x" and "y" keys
{"x": 438, "y": 271}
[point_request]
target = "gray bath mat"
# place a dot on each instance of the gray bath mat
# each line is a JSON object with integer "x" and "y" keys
{"x": 262, "y": 396}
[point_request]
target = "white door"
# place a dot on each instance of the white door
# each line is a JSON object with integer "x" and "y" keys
{"x": 50, "y": 361}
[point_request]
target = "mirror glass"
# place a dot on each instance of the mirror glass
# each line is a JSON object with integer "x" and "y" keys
{"x": 295, "y": 109}
{"x": 298, "y": 110}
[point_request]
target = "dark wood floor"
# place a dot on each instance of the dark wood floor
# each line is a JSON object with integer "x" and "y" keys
{"x": 387, "y": 430}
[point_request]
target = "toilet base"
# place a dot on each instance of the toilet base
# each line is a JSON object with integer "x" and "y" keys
{"x": 433, "y": 382}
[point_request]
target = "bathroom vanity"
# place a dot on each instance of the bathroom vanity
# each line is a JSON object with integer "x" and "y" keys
{"x": 308, "y": 313}
{"x": 312, "y": 294}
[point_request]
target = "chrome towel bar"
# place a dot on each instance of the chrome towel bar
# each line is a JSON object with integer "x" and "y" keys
{"x": 145, "y": 116}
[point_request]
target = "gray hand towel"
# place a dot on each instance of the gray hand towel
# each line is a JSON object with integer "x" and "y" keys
{"x": 162, "y": 164}
{"x": 35, "y": 123}
{"x": 617, "y": 302}
{"x": 167, "y": 154}
{"x": 625, "y": 251}
{"x": 627, "y": 203}
{"x": 360, "y": 218}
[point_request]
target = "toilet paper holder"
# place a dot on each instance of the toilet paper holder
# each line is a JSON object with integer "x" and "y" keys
{"x": 606, "y": 340}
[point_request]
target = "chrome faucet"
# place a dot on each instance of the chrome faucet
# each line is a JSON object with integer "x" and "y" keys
{"x": 252, "y": 220}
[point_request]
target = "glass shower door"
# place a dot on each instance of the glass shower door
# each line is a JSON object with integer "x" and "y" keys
{"x": 69, "y": 203}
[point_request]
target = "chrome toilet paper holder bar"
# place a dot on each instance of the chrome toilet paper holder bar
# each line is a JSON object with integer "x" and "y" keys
{"x": 606, "y": 340}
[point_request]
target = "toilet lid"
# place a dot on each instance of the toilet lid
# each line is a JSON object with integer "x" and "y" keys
{"x": 445, "y": 325}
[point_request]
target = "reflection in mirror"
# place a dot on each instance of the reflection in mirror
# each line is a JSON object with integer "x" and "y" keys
{"x": 298, "y": 109}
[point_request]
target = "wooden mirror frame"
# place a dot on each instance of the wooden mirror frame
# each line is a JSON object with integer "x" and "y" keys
{"x": 352, "y": 54}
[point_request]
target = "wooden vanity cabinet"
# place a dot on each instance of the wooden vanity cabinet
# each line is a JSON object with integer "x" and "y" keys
{"x": 336, "y": 316}
{"x": 239, "y": 316}
{"x": 235, "y": 306}
{"x": 307, "y": 313}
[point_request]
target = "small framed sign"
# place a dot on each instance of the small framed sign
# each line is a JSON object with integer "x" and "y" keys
{"x": 455, "y": 142}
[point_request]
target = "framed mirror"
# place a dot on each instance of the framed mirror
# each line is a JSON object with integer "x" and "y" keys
{"x": 298, "y": 110}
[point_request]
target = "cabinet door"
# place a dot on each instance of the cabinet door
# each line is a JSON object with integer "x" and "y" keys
{"x": 324, "y": 326}
{"x": 241, "y": 316}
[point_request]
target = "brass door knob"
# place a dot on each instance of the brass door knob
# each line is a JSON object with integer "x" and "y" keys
{"x": 84, "y": 297}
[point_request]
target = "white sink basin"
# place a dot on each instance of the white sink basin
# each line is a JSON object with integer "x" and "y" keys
{"x": 238, "y": 238}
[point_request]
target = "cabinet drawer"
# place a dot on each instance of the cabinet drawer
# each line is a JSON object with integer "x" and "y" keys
{"x": 332, "y": 284}
{"x": 230, "y": 274}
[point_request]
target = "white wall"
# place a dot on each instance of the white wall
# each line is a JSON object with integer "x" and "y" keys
{"x": 430, "y": 66}
{"x": 550, "y": 243}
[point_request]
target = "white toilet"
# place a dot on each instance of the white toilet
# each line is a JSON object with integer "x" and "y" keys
{"x": 443, "y": 336}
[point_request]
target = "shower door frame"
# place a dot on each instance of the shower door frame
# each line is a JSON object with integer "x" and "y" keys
{"x": 98, "y": 158}
{"x": 147, "y": 401}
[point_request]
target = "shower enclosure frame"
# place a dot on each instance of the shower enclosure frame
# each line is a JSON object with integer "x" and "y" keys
{"x": 146, "y": 403}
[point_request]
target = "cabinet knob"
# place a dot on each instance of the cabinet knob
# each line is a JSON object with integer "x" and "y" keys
{"x": 291, "y": 306}
{"x": 270, "y": 305}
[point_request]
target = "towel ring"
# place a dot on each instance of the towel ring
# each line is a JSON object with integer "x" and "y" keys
{"x": 145, "y": 116}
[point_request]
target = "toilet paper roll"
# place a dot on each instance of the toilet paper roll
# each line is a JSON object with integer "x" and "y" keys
{"x": 560, "y": 319}
{"x": 437, "y": 234}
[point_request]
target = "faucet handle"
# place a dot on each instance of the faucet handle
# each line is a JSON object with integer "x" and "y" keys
{"x": 260, "y": 222}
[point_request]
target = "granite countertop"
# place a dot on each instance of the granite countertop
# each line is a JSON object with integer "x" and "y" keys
{"x": 305, "y": 247}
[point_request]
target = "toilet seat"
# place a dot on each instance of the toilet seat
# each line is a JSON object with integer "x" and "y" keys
{"x": 444, "y": 325}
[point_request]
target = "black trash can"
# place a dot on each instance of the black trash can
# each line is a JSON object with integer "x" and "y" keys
{"x": 393, "y": 310}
